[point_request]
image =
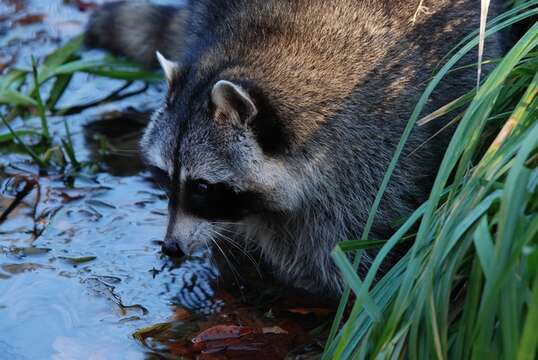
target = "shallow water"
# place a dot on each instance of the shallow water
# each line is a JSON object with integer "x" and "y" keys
{"x": 81, "y": 271}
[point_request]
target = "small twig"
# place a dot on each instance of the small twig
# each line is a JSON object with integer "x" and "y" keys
{"x": 30, "y": 184}
{"x": 114, "y": 96}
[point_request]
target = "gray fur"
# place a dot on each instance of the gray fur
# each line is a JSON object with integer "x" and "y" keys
{"x": 341, "y": 78}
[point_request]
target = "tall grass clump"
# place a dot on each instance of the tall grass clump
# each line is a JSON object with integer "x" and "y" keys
{"x": 468, "y": 286}
{"x": 34, "y": 92}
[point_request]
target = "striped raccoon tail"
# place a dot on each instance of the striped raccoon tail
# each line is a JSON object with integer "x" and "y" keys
{"x": 136, "y": 30}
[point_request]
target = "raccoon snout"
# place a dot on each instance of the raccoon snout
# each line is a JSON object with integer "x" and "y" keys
{"x": 172, "y": 249}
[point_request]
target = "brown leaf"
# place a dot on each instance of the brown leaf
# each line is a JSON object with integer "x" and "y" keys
{"x": 20, "y": 268}
{"x": 150, "y": 331}
{"x": 219, "y": 332}
{"x": 273, "y": 330}
{"x": 77, "y": 260}
{"x": 30, "y": 19}
{"x": 81, "y": 5}
{"x": 251, "y": 346}
{"x": 71, "y": 196}
{"x": 307, "y": 311}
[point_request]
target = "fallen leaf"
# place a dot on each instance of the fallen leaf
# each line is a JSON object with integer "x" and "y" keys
{"x": 30, "y": 19}
{"x": 81, "y": 5}
{"x": 68, "y": 197}
{"x": 307, "y": 311}
{"x": 273, "y": 330}
{"x": 100, "y": 203}
{"x": 219, "y": 332}
{"x": 20, "y": 268}
{"x": 78, "y": 260}
{"x": 150, "y": 331}
{"x": 28, "y": 251}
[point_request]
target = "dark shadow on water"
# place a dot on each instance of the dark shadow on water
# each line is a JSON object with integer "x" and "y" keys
{"x": 113, "y": 141}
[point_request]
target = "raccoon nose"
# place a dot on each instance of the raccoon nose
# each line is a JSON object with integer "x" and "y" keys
{"x": 172, "y": 249}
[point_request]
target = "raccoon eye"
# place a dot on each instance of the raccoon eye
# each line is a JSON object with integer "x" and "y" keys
{"x": 214, "y": 201}
{"x": 200, "y": 187}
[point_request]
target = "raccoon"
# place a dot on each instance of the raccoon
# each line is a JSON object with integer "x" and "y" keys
{"x": 282, "y": 116}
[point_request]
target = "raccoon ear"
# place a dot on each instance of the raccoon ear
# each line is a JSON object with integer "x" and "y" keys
{"x": 170, "y": 68}
{"x": 231, "y": 101}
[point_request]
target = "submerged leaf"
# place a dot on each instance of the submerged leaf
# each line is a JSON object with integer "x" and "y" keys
{"x": 219, "y": 332}
{"x": 78, "y": 260}
{"x": 151, "y": 331}
{"x": 23, "y": 267}
{"x": 273, "y": 330}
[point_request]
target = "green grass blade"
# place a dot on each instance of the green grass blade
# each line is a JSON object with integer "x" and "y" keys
{"x": 42, "y": 164}
{"x": 484, "y": 246}
{"x": 12, "y": 79}
{"x": 68, "y": 147}
{"x": 60, "y": 85}
{"x": 62, "y": 54}
{"x": 11, "y": 136}
{"x": 40, "y": 106}
{"x": 529, "y": 340}
{"x": 350, "y": 275}
{"x": 15, "y": 98}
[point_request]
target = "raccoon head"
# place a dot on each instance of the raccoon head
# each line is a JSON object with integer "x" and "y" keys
{"x": 217, "y": 149}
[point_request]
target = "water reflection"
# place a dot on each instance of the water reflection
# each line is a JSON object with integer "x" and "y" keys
{"x": 194, "y": 280}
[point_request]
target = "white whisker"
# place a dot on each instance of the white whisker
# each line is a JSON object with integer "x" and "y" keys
{"x": 234, "y": 271}
{"x": 238, "y": 247}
